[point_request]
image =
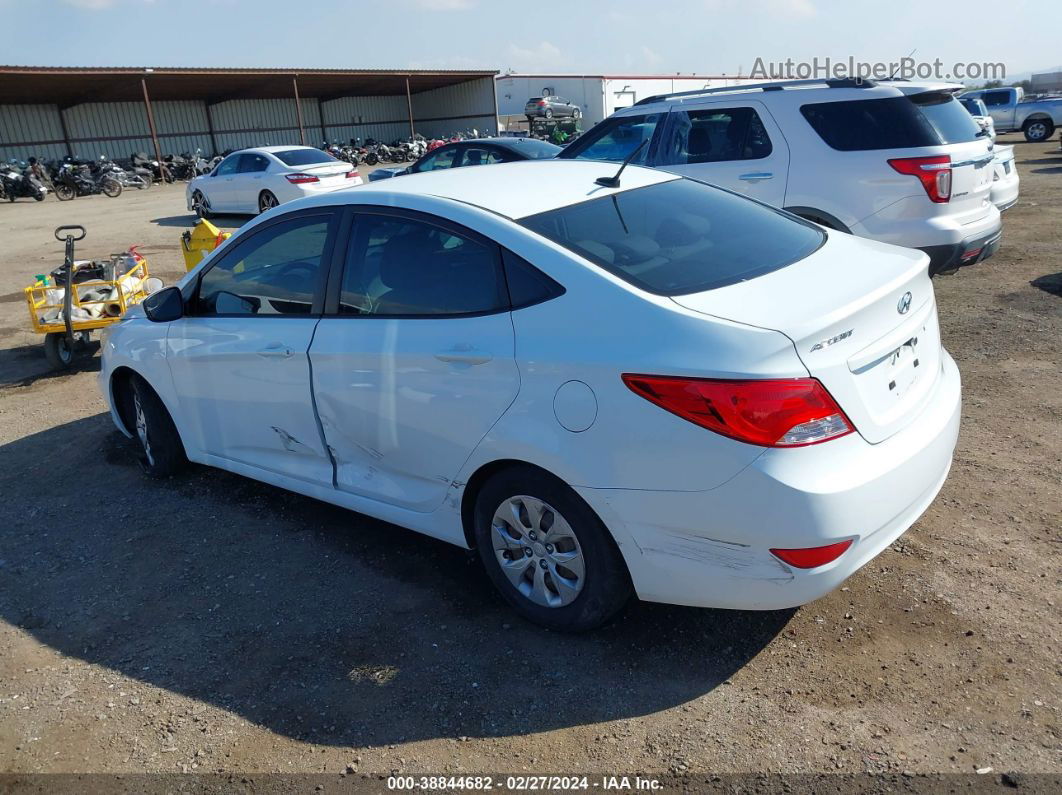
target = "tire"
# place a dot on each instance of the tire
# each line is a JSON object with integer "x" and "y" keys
{"x": 39, "y": 195}
{"x": 372, "y": 159}
{"x": 574, "y": 579}
{"x": 58, "y": 351}
{"x": 548, "y": 113}
{"x": 111, "y": 188}
{"x": 161, "y": 450}
{"x": 64, "y": 193}
{"x": 266, "y": 201}
{"x": 141, "y": 183}
{"x": 200, "y": 205}
{"x": 577, "y": 114}
{"x": 1037, "y": 130}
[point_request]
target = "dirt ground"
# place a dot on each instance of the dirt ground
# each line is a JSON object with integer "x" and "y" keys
{"x": 212, "y": 623}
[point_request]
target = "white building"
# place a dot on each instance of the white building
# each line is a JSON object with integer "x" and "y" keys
{"x": 598, "y": 95}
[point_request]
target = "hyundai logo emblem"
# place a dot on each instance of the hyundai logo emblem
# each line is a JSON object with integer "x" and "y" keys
{"x": 904, "y": 303}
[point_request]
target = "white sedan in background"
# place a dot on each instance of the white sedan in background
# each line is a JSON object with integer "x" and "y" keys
{"x": 604, "y": 385}
{"x": 255, "y": 180}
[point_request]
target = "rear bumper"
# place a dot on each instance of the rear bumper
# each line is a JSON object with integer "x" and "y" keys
{"x": 968, "y": 252}
{"x": 711, "y": 548}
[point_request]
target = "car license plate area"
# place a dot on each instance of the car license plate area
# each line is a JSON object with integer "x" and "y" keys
{"x": 902, "y": 368}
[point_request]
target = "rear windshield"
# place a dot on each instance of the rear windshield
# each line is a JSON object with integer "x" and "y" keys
{"x": 928, "y": 119}
{"x": 534, "y": 149}
{"x": 615, "y": 138}
{"x": 304, "y": 157}
{"x": 679, "y": 237}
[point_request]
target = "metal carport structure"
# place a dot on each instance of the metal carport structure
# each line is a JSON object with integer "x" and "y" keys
{"x": 52, "y": 112}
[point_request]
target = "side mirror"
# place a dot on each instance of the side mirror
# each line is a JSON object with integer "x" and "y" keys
{"x": 165, "y": 305}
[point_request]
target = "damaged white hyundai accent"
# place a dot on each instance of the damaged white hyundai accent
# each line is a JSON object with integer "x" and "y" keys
{"x": 644, "y": 385}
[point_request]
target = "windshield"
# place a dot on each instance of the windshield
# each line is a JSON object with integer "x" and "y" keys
{"x": 974, "y": 107}
{"x": 304, "y": 157}
{"x": 615, "y": 138}
{"x": 679, "y": 237}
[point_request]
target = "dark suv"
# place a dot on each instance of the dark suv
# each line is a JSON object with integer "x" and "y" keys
{"x": 548, "y": 107}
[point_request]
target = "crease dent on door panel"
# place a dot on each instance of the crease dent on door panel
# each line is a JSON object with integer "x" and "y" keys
{"x": 316, "y": 415}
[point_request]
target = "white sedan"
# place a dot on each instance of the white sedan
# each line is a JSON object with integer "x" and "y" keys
{"x": 255, "y": 180}
{"x": 649, "y": 386}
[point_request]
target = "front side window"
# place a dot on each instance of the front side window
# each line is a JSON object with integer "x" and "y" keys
{"x": 228, "y": 166}
{"x": 275, "y": 271}
{"x": 402, "y": 267}
{"x": 615, "y": 139}
{"x": 680, "y": 236}
{"x": 439, "y": 159}
{"x": 713, "y": 135}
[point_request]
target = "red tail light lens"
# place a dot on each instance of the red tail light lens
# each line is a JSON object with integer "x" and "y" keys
{"x": 542, "y": 103}
{"x": 812, "y": 557}
{"x": 300, "y": 179}
{"x": 934, "y": 173}
{"x": 790, "y": 412}
{"x": 352, "y": 174}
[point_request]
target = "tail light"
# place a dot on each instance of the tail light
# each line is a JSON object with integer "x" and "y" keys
{"x": 812, "y": 557}
{"x": 352, "y": 173}
{"x": 791, "y": 412}
{"x": 300, "y": 179}
{"x": 542, "y": 103}
{"x": 934, "y": 172}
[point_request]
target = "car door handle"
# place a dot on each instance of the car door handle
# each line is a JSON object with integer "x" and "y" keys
{"x": 461, "y": 354}
{"x": 756, "y": 176}
{"x": 276, "y": 350}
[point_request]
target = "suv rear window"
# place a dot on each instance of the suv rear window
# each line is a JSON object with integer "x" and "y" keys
{"x": 680, "y": 236}
{"x": 891, "y": 123}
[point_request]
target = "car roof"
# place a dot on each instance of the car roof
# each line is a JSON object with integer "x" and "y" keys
{"x": 514, "y": 190}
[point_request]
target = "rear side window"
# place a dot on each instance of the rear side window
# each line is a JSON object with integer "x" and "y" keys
{"x": 865, "y": 124}
{"x": 527, "y": 284}
{"x": 615, "y": 139}
{"x": 401, "y": 267}
{"x": 680, "y": 236}
{"x": 713, "y": 135}
{"x": 951, "y": 121}
{"x": 996, "y": 98}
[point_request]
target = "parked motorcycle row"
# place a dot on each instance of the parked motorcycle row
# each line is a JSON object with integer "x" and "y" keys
{"x": 372, "y": 152}
{"x": 72, "y": 177}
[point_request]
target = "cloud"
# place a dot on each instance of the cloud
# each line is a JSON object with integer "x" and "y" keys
{"x": 446, "y": 5}
{"x": 544, "y": 57}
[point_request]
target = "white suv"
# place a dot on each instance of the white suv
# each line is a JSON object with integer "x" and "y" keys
{"x": 895, "y": 161}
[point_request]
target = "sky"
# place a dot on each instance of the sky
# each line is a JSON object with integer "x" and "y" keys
{"x": 708, "y": 37}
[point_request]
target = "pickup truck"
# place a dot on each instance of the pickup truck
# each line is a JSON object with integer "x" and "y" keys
{"x": 1010, "y": 112}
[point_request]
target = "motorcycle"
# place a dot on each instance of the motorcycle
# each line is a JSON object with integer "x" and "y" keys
{"x": 144, "y": 165}
{"x": 128, "y": 179}
{"x": 18, "y": 182}
{"x": 76, "y": 179}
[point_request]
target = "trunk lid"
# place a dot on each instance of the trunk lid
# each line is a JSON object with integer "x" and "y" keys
{"x": 841, "y": 307}
{"x": 326, "y": 172}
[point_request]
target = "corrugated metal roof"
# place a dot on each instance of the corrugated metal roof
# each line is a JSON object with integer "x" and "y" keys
{"x": 67, "y": 86}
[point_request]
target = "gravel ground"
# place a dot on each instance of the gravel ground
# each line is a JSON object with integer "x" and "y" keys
{"x": 215, "y": 624}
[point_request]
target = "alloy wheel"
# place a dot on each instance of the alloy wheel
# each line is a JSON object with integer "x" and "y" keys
{"x": 538, "y": 551}
{"x": 141, "y": 428}
{"x": 267, "y": 201}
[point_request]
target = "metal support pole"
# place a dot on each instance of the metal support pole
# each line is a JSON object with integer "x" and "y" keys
{"x": 298, "y": 108}
{"x": 409, "y": 107}
{"x": 151, "y": 121}
{"x": 66, "y": 134}
{"x": 210, "y": 130}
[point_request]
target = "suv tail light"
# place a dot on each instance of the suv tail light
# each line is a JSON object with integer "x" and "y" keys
{"x": 300, "y": 179}
{"x": 934, "y": 172}
{"x": 542, "y": 103}
{"x": 790, "y": 412}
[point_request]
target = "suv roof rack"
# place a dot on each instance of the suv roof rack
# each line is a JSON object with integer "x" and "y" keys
{"x": 779, "y": 85}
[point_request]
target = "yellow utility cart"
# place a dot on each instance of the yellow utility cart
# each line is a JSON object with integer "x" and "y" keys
{"x": 66, "y": 314}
